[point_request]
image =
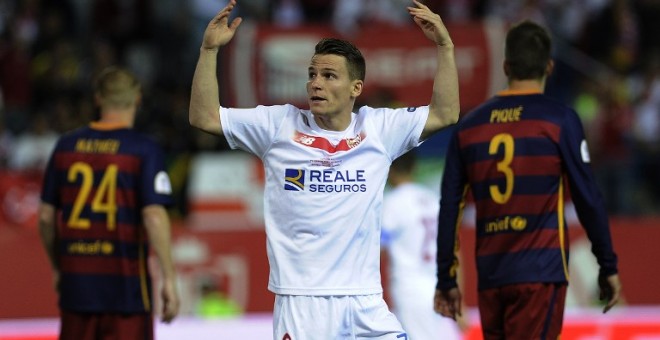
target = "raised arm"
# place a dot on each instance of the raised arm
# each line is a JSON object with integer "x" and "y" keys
{"x": 444, "y": 106}
{"x": 204, "y": 96}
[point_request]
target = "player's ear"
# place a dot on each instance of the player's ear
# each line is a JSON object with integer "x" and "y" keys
{"x": 97, "y": 100}
{"x": 549, "y": 67}
{"x": 506, "y": 68}
{"x": 357, "y": 88}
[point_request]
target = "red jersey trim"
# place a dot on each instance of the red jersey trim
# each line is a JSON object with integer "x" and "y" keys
{"x": 321, "y": 143}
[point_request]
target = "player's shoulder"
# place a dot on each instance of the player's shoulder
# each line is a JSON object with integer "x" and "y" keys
{"x": 538, "y": 106}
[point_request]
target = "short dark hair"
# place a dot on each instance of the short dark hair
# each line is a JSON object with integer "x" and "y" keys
{"x": 354, "y": 59}
{"x": 527, "y": 51}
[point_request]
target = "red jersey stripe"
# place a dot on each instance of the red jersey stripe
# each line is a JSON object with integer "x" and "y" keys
{"x": 519, "y": 205}
{"x": 99, "y": 265}
{"x": 544, "y": 166}
{"x": 524, "y": 128}
{"x": 513, "y": 242}
{"x": 127, "y": 163}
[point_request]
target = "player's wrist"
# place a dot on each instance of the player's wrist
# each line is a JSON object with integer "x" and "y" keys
{"x": 213, "y": 50}
{"x": 445, "y": 45}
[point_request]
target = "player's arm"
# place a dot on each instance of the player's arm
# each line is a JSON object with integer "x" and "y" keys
{"x": 454, "y": 183}
{"x": 204, "y": 96}
{"x": 444, "y": 106}
{"x": 157, "y": 223}
{"x": 47, "y": 224}
{"x": 590, "y": 207}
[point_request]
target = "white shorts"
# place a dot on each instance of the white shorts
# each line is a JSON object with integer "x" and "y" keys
{"x": 334, "y": 318}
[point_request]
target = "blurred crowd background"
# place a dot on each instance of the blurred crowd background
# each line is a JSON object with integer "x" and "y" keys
{"x": 607, "y": 55}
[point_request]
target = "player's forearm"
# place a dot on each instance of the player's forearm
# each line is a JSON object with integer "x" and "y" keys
{"x": 157, "y": 224}
{"x": 204, "y": 96}
{"x": 47, "y": 232}
{"x": 445, "y": 104}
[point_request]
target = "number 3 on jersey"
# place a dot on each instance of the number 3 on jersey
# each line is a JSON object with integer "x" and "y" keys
{"x": 104, "y": 200}
{"x": 503, "y": 166}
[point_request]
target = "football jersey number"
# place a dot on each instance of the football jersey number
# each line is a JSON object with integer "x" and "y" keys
{"x": 503, "y": 166}
{"x": 104, "y": 199}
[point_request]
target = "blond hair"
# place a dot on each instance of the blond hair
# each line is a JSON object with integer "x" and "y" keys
{"x": 117, "y": 87}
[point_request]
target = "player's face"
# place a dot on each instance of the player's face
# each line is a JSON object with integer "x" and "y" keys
{"x": 330, "y": 91}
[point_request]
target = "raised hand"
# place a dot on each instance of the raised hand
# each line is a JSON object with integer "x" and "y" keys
{"x": 219, "y": 32}
{"x": 431, "y": 24}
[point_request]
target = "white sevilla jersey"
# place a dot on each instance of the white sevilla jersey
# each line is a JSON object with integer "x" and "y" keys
{"x": 324, "y": 192}
{"x": 410, "y": 222}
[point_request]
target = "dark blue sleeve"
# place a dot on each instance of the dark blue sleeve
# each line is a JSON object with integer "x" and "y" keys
{"x": 454, "y": 181}
{"x": 156, "y": 185}
{"x": 585, "y": 193}
{"x": 49, "y": 190}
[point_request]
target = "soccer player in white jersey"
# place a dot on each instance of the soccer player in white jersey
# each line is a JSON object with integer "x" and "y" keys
{"x": 409, "y": 230}
{"x": 325, "y": 171}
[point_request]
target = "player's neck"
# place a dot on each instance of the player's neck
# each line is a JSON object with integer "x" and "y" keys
{"x": 333, "y": 123}
{"x": 527, "y": 85}
{"x": 118, "y": 117}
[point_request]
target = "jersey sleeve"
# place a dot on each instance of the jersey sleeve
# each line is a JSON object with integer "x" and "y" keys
{"x": 155, "y": 182}
{"x": 453, "y": 189}
{"x": 49, "y": 186}
{"x": 585, "y": 193}
{"x": 399, "y": 129}
{"x": 253, "y": 130}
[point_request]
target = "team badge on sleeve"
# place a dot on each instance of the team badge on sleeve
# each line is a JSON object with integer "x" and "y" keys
{"x": 162, "y": 183}
{"x": 584, "y": 151}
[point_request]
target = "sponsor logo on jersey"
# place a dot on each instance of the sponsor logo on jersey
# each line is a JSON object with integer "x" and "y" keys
{"x": 515, "y": 223}
{"x": 412, "y": 109}
{"x": 294, "y": 179}
{"x": 328, "y": 180}
{"x": 97, "y": 247}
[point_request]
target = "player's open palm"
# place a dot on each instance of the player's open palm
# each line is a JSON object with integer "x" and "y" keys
{"x": 430, "y": 23}
{"x": 219, "y": 31}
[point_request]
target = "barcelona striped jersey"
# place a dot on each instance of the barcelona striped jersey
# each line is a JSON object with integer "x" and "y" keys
{"x": 99, "y": 178}
{"x": 518, "y": 154}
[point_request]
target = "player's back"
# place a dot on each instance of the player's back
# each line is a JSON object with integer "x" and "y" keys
{"x": 100, "y": 178}
{"x": 511, "y": 149}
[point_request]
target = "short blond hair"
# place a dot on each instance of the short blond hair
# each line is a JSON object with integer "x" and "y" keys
{"x": 117, "y": 87}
